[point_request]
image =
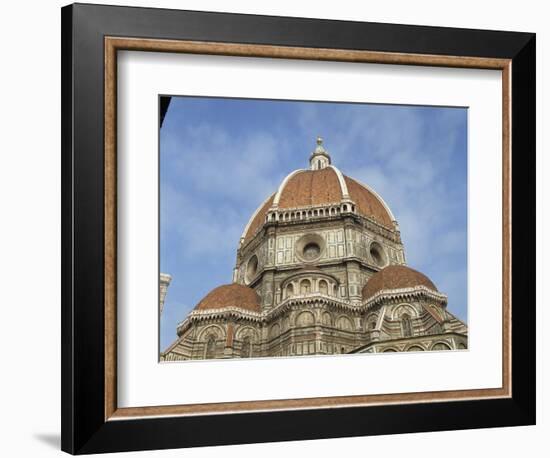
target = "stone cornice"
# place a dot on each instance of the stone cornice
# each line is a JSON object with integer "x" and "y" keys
{"x": 311, "y": 299}
{"x": 367, "y": 222}
{"x": 222, "y": 312}
{"x": 411, "y": 340}
{"x": 405, "y": 294}
{"x": 269, "y": 314}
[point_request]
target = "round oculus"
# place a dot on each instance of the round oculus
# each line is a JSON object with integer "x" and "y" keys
{"x": 251, "y": 268}
{"x": 311, "y": 251}
{"x": 310, "y": 247}
{"x": 377, "y": 254}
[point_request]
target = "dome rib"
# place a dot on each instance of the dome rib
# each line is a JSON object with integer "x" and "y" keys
{"x": 231, "y": 295}
{"x": 342, "y": 181}
{"x": 282, "y": 186}
{"x": 395, "y": 277}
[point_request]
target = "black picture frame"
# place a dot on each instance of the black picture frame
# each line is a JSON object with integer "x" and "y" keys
{"x": 84, "y": 428}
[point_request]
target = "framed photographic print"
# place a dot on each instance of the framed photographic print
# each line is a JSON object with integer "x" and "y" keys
{"x": 281, "y": 228}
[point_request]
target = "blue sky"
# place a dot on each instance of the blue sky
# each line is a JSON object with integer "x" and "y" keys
{"x": 220, "y": 158}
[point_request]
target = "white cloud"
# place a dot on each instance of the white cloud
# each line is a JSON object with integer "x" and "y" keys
{"x": 198, "y": 229}
{"x": 223, "y": 178}
{"x": 217, "y": 163}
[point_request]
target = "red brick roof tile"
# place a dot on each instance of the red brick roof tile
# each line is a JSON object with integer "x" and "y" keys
{"x": 232, "y": 295}
{"x": 396, "y": 277}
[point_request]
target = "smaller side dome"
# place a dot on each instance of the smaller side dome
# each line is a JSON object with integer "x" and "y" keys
{"x": 396, "y": 277}
{"x": 232, "y": 295}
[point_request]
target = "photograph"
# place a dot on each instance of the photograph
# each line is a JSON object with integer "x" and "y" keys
{"x": 307, "y": 228}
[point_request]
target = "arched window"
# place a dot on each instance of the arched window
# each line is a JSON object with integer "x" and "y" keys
{"x": 275, "y": 330}
{"x": 440, "y": 346}
{"x": 210, "y": 352}
{"x": 305, "y": 287}
{"x": 327, "y": 320}
{"x": 415, "y": 348}
{"x": 406, "y": 325}
{"x": 289, "y": 290}
{"x": 245, "y": 348}
{"x": 305, "y": 319}
{"x": 344, "y": 323}
{"x": 318, "y": 164}
{"x": 323, "y": 287}
{"x": 286, "y": 324}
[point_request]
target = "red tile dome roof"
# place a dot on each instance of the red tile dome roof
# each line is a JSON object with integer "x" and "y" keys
{"x": 395, "y": 277}
{"x": 304, "y": 188}
{"x": 232, "y": 295}
{"x": 310, "y": 187}
{"x": 368, "y": 203}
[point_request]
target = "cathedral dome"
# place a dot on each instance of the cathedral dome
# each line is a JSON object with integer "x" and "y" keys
{"x": 395, "y": 277}
{"x": 232, "y": 295}
{"x": 323, "y": 184}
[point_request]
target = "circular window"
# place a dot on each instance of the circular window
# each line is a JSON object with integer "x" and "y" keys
{"x": 311, "y": 251}
{"x": 377, "y": 254}
{"x": 310, "y": 247}
{"x": 251, "y": 268}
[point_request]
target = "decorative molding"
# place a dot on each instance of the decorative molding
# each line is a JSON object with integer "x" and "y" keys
{"x": 406, "y": 294}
